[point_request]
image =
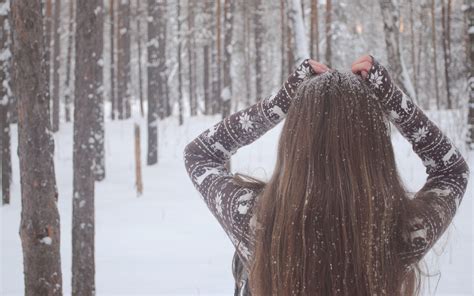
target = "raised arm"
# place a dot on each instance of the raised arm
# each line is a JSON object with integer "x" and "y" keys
{"x": 434, "y": 206}
{"x": 205, "y": 158}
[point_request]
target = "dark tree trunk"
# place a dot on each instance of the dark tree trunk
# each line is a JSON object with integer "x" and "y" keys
{"x": 207, "y": 58}
{"x": 155, "y": 70}
{"x": 258, "y": 35}
{"x": 123, "y": 61}
{"x": 314, "y": 29}
{"x": 5, "y": 95}
{"x": 113, "y": 90}
{"x": 56, "y": 64}
{"x": 470, "y": 62}
{"x": 446, "y": 36}
{"x": 329, "y": 32}
{"x": 70, "y": 40}
{"x": 226, "y": 96}
{"x": 88, "y": 97}
{"x": 139, "y": 45}
{"x": 47, "y": 22}
{"x": 284, "y": 68}
{"x": 217, "y": 102}
{"x": 435, "y": 54}
{"x": 180, "y": 66}
{"x": 40, "y": 226}
{"x": 206, "y": 81}
{"x": 191, "y": 44}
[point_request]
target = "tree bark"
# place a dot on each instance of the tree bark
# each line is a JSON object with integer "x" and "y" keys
{"x": 123, "y": 61}
{"x": 217, "y": 102}
{"x": 283, "y": 29}
{"x": 56, "y": 64}
{"x": 413, "y": 51}
{"x": 435, "y": 55}
{"x": 301, "y": 43}
{"x": 470, "y": 62}
{"x": 39, "y": 227}
{"x": 180, "y": 66}
{"x": 329, "y": 32}
{"x": 315, "y": 29}
{"x": 138, "y": 161}
{"x": 139, "y": 47}
{"x": 446, "y": 36}
{"x": 70, "y": 40}
{"x": 5, "y": 95}
{"x": 226, "y": 95}
{"x": 88, "y": 97}
{"x": 258, "y": 35}
{"x": 191, "y": 44}
{"x": 113, "y": 65}
{"x": 156, "y": 75}
{"x": 390, "y": 15}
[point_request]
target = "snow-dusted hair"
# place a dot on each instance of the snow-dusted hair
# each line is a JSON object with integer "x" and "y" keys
{"x": 331, "y": 217}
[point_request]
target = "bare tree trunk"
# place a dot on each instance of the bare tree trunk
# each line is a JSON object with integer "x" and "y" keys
{"x": 390, "y": 15}
{"x": 315, "y": 29}
{"x": 113, "y": 90}
{"x": 180, "y": 66}
{"x": 88, "y": 97}
{"x": 247, "y": 54}
{"x": 40, "y": 221}
{"x": 218, "y": 89}
{"x": 47, "y": 23}
{"x": 284, "y": 67}
{"x": 138, "y": 162}
{"x": 139, "y": 45}
{"x": 56, "y": 63}
{"x": 329, "y": 32}
{"x": 123, "y": 61}
{"x": 190, "y": 50}
{"x": 70, "y": 39}
{"x": 5, "y": 95}
{"x": 470, "y": 62}
{"x": 206, "y": 81}
{"x": 435, "y": 55}
{"x": 446, "y": 36}
{"x": 413, "y": 51}
{"x": 301, "y": 43}
{"x": 226, "y": 95}
{"x": 258, "y": 35}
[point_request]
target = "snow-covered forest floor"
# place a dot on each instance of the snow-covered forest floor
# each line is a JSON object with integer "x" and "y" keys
{"x": 166, "y": 242}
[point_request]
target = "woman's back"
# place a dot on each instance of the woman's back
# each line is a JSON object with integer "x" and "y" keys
{"x": 334, "y": 219}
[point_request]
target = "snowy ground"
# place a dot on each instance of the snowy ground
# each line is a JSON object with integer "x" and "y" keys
{"x": 165, "y": 242}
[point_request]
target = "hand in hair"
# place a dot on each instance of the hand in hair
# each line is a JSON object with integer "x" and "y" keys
{"x": 318, "y": 67}
{"x": 375, "y": 74}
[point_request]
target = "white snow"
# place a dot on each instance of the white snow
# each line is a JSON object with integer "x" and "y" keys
{"x": 46, "y": 240}
{"x": 167, "y": 242}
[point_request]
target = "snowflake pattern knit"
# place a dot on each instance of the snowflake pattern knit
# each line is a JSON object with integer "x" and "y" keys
{"x": 205, "y": 158}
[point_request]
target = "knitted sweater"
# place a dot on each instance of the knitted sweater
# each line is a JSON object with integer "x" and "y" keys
{"x": 231, "y": 204}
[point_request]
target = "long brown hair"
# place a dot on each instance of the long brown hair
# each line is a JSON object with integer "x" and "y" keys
{"x": 329, "y": 220}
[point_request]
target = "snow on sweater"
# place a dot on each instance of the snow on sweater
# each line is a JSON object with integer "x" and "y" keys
{"x": 205, "y": 158}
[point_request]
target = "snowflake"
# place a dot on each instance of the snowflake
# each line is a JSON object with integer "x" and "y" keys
{"x": 420, "y": 134}
{"x": 303, "y": 72}
{"x": 376, "y": 78}
{"x": 245, "y": 122}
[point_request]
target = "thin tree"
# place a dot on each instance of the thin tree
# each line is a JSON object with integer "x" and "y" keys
{"x": 218, "y": 77}
{"x": 180, "y": 66}
{"x": 435, "y": 55}
{"x": 390, "y": 15}
{"x": 139, "y": 48}
{"x": 56, "y": 64}
{"x": 87, "y": 93}
{"x": 413, "y": 47}
{"x": 469, "y": 11}
{"x": 329, "y": 32}
{"x": 70, "y": 40}
{"x": 5, "y": 94}
{"x": 206, "y": 54}
{"x": 283, "y": 29}
{"x": 123, "y": 61}
{"x": 226, "y": 95}
{"x": 314, "y": 40}
{"x": 258, "y": 35}
{"x": 113, "y": 90}
{"x": 47, "y": 22}
{"x": 301, "y": 43}
{"x": 446, "y": 36}
{"x": 155, "y": 71}
{"x": 40, "y": 223}
{"x": 191, "y": 44}
{"x": 138, "y": 161}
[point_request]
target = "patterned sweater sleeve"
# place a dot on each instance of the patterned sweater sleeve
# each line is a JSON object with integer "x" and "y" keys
{"x": 434, "y": 206}
{"x": 205, "y": 158}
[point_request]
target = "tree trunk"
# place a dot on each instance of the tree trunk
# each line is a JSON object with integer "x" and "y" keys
{"x": 156, "y": 75}
{"x": 329, "y": 32}
{"x": 191, "y": 63}
{"x": 88, "y": 97}
{"x": 390, "y": 15}
{"x": 206, "y": 81}
{"x": 258, "y": 35}
{"x": 113, "y": 90}
{"x": 217, "y": 102}
{"x": 226, "y": 95}
{"x": 39, "y": 227}
{"x": 413, "y": 51}
{"x": 139, "y": 47}
{"x": 5, "y": 95}
{"x": 315, "y": 29}
{"x": 446, "y": 36}
{"x": 70, "y": 39}
{"x": 301, "y": 43}
{"x": 56, "y": 64}
{"x": 47, "y": 22}
{"x": 180, "y": 66}
{"x": 470, "y": 62}
{"x": 138, "y": 161}
{"x": 123, "y": 61}
{"x": 284, "y": 67}
{"x": 435, "y": 55}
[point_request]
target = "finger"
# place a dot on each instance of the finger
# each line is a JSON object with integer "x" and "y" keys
{"x": 364, "y": 74}
{"x": 364, "y": 58}
{"x": 364, "y": 66}
{"x": 318, "y": 67}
